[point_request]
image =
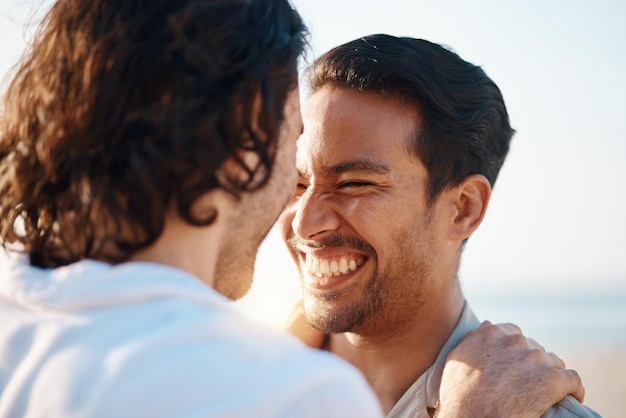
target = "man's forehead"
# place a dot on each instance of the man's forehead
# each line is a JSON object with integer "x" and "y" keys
{"x": 346, "y": 130}
{"x": 322, "y": 155}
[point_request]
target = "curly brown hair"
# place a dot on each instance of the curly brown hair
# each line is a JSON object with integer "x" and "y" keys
{"x": 120, "y": 109}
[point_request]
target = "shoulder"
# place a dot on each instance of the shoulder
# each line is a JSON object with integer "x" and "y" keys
{"x": 141, "y": 341}
{"x": 569, "y": 407}
{"x": 340, "y": 395}
{"x": 237, "y": 378}
{"x": 217, "y": 362}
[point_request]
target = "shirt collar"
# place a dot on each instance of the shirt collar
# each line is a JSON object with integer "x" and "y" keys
{"x": 421, "y": 398}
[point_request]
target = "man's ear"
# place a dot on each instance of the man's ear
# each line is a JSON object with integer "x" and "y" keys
{"x": 470, "y": 198}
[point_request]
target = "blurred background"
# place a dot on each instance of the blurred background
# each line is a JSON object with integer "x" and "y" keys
{"x": 550, "y": 254}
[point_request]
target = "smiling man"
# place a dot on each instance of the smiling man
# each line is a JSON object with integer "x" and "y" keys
{"x": 146, "y": 148}
{"x": 402, "y": 143}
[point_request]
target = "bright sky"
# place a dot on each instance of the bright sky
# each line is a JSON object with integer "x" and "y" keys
{"x": 558, "y": 213}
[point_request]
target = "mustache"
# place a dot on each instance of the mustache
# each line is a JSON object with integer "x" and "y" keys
{"x": 335, "y": 240}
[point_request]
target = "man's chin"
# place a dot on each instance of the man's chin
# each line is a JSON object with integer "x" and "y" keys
{"x": 326, "y": 316}
{"x": 234, "y": 285}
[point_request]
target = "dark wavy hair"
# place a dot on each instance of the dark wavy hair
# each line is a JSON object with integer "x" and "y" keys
{"x": 464, "y": 126}
{"x": 120, "y": 109}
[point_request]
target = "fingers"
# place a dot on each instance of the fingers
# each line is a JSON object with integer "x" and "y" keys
{"x": 574, "y": 384}
{"x": 503, "y": 328}
{"x": 512, "y": 367}
{"x": 511, "y": 333}
{"x": 532, "y": 344}
{"x": 555, "y": 361}
{"x": 570, "y": 381}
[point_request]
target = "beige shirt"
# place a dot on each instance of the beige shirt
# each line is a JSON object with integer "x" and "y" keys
{"x": 420, "y": 399}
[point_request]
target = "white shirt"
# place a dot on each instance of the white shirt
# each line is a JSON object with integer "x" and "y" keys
{"x": 145, "y": 340}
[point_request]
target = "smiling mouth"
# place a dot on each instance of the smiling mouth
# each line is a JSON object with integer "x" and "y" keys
{"x": 332, "y": 266}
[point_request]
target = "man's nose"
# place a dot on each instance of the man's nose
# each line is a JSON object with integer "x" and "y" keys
{"x": 314, "y": 215}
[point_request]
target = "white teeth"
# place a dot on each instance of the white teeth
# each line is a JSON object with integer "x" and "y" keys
{"x": 352, "y": 265}
{"x": 343, "y": 266}
{"x": 315, "y": 265}
{"x": 326, "y": 268}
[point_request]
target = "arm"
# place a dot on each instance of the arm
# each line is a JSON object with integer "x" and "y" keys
{"x": 496, "y": 371}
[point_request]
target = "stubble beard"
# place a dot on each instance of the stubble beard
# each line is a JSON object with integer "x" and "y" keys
{"x": 390, "y": 299}
{"x": 234, "y": 273}
{"x": 320, "y": 312}
{"x": 248, "y": 229}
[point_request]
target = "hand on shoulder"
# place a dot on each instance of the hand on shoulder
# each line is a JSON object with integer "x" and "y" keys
{"x": 496, "y": 371}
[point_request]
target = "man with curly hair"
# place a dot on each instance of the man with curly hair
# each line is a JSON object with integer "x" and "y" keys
{"x": 146, "y": 148}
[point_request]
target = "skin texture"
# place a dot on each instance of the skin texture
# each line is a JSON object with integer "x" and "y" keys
{"x": 362, "y": 196}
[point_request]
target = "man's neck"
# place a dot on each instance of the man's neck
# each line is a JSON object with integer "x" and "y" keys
{"x": 186, "y": 247}
{"x": 392, "y": 359}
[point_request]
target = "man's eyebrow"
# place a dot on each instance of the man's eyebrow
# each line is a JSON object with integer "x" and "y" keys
{"x": 367, "y": 166}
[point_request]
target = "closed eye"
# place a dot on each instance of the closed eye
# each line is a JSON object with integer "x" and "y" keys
{"x": 355, "y": 184}
{"x": 300, "y": 189}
